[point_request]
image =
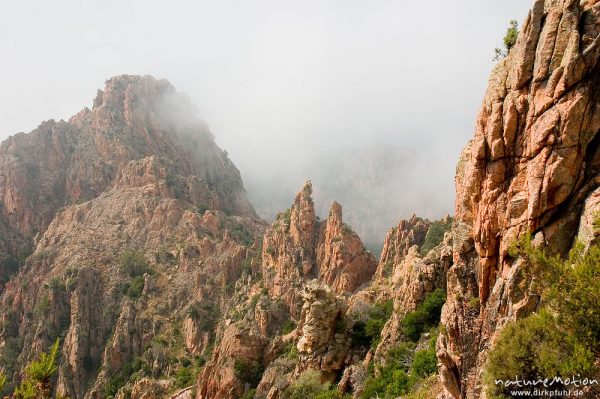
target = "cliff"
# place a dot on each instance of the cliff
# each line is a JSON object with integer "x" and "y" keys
{"x": 532, "y": 166}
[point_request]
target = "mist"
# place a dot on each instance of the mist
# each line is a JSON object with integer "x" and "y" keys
{"x": 293, "y": 90}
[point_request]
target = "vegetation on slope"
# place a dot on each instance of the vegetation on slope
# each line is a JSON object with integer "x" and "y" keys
{"x": 310, "y": 385}
{"x": 369, "y": 333}
{"x": 563, "y": 339}
{"x": 408, "y": 365}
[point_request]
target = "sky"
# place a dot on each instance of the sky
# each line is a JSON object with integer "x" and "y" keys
{"x": 277, "y": 81}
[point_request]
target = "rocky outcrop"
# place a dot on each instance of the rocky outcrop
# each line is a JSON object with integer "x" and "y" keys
{"x": 590, "y": 219}
{"x": 305, "y": 265}
{"x": 239, "y": 353}
{"x": 398, "y": 242}
{"x": 534, "y": 160}
{"x": 288, "y": 250}
{"x": 299, "y": 247}
{"x": 342, "y": 260}
{"x": 324, "y": 342}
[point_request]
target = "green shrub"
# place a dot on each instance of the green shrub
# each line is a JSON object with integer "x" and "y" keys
{"x": 369, "y": 333}
{"x": 560, "y": 340}
{"x": 9, "y": 265}
{"x": 424, "y": 363}
{"x": 308, "y": 385}
{"x": 2, "y": 381}
{"x": 286, "y": 216}
{"x": 135, "y": 288}
{"x": 185, "y": 377}
{"x": 200, "y": 361}
{"x": 201, "y": 209}
{"x": 37, "y": 383}
{"x": 249, "y": 394}
{"x": 398, "y": 384}
{"x": 391, "y": 379}
{"x": 133, "y": 263}
{"x": 242, "y": 235}
{"x": 288, "y": 327}
{"x": 205, "y": 313}
{"x": 374, "y": 386}
{"x": 358, "y": 334}
{"x": 435, "y": 234}
{"x": 534, "y": 347}
{"x": 474, "y": 303}
{"x": 426, "y": 316}
{"x": 43, "y": 306}
{"x": 9, "y": 354}
{"x": 118, "y": 379}
{"x": 246, "y": 266}
{"x": 347, "y": 229}
{"x": 373, "y": 329}
{"x": 164, "y": 256}
{"x": 56, "y": 284}
{"x": 333, "y": 393}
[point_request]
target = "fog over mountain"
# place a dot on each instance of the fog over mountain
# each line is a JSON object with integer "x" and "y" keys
{"x": 292, "y": 90}
{"x": 376, "y": 183}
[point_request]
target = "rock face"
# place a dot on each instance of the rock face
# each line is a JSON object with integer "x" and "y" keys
{"x": 406, "y": 275}
{"x": 138, "y": 174}
{"x": 414, "y": 276}
{"x": 533, "y": 165}
{"x": 399, "y": 241}
{"x": 240, "y": 351}
{"x": 341, "y": 257}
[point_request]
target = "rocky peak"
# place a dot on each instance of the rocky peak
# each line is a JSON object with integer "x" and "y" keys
{"x": 342, "y": 260}
{"x": 299, "y": 247}
{"x": 140, "y": 223}
{"x": 302, "y": 218}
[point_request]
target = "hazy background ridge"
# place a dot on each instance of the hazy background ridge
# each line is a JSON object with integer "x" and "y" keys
{"x": 291, "y": 89}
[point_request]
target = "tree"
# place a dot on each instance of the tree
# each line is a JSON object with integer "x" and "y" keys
{"x": 38, "y": 376}
{"x": 2, "y": 380}
{"x": 510, "y": 39}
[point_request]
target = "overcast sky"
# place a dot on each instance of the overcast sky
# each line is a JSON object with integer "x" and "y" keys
{"x": 275, "y": 80}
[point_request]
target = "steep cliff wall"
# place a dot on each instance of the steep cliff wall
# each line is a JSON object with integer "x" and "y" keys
{"x": 533, "y": 165}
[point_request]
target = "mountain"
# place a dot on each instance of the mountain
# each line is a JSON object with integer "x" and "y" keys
{"x": 130, "y": 243}
{"x": 134, "y": 215}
